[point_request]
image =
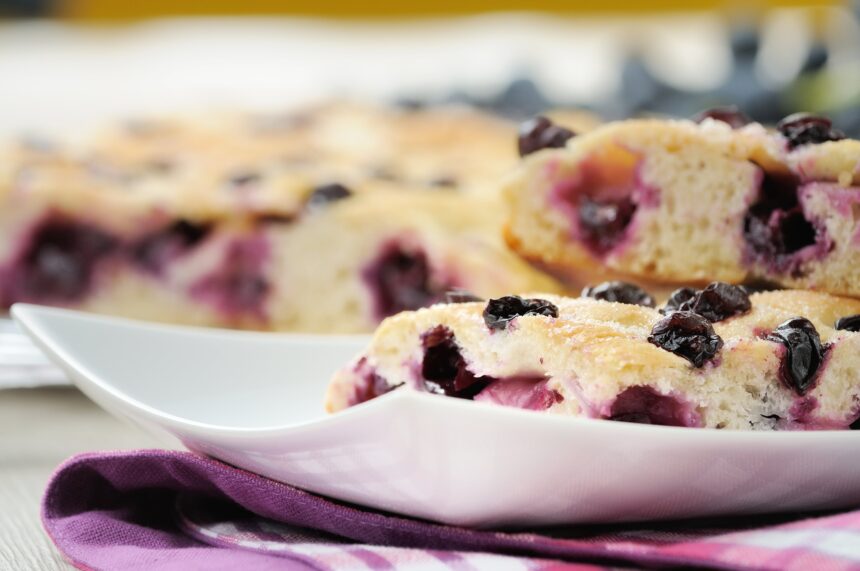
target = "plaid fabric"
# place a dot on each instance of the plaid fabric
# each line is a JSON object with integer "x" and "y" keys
{"x": 175, "y": 510}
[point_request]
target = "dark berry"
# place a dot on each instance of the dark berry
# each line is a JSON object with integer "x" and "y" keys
{"x": 401, "y": 279}
{"x": 855, "y": 425}
{"x": 243, "y": 179}
{"x": 803, "y": 353}
{"x": 156, "y": 250}
{"x": 443, "y": 367}
{"x": 541, "y": 133}
{"x": 59, "y": 262}
{"x": 326, "y": 193}
{"x": 677, "y": 299}
{"x": 848, "y": 323}
{"x": 644, "y": 405}
{"x": 775, "y": 226}
{"x": 603, "y": 224}
{"x": 718, "y": 301}
{"x": 806, "y": 128}
{"x": 460, "y": 296}
{"x": 730, "y": 115}
{"x": 620, "y": 292}
{"x": 500, "y": 312}
{"x": 444, "y": 181}
{"x": 687, "y": 335}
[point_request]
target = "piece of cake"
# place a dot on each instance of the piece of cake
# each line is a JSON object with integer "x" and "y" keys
{"x": 715, "y": 357}
{"x": 325, "y": 220}
{"x": 684, "y": 202}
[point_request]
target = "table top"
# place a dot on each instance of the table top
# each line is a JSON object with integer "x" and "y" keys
{"x": 39, "y": 428}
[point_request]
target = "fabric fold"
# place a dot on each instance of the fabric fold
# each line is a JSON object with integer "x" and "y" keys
{"x": 157, "y": 509}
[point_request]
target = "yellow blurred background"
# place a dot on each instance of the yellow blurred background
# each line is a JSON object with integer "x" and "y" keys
{"x": 114, "y": 10}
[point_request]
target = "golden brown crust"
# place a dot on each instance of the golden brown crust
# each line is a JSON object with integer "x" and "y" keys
{"x": 595, "y": 350}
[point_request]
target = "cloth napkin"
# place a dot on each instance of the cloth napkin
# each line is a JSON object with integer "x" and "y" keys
{"x": 166, "y": 510}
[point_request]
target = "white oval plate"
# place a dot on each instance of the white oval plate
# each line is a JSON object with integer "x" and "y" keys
{"x": 254, "y": 400}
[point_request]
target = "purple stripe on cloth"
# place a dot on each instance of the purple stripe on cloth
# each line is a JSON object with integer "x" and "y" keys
{"x": 374, "y": 561}
{"x": 119, "y": 511}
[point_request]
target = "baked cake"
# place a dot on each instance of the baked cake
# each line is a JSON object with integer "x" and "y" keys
{"x": 325, "y": 220}
{"x": 714, "y": 357}
{"x": 684, "y": 202}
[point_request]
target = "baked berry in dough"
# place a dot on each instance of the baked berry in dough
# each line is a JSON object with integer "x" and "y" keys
{"x": 685, "y": 202}
{"x": 785, "y": 360}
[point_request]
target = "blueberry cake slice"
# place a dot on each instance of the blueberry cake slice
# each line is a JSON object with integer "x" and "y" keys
{"x": 714, "y": 357}
{"x": 279, "y": 223}
{"x": 684, "y": 202}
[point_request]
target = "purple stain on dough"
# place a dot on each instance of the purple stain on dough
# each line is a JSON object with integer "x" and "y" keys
{"x": 526, "y": 392}
{"x": 239, "y": 286}
{"x": 644, "y": 405}
{"x": 369, "y": 385}
{"x": 844, "y": 200}
{"x": 802, "y": 409}
{"x": 602, "y": 200}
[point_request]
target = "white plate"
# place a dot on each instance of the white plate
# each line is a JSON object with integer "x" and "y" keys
{"x": 254, "y": 400}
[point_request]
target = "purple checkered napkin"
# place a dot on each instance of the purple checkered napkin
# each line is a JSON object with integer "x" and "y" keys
{"x": 155, "y": 509}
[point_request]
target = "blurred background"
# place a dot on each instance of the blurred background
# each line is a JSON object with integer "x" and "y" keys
{"x": 69, "y": 64}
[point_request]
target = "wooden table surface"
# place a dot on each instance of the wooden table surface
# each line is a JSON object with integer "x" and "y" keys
{"x": 39, "y": 428}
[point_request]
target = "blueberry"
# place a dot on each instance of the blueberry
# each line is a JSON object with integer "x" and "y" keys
{"x": 541, "y": 133}
{"x": 401, "y": 279}
{"x": 803, "y": 353}
{"x": 848, "y": 323}
{"x": 327, "y": 193}
{"x": 457, "y": 295}
{"x": 718, "y": 301}
{"x": 500, "y": 312}
{"x": 687, "y": 335}
{"x": 620, "y": 292}
{"x": 775, "y": 226}
{"x": 443, "y": 181}
{"x": 59, "y": 262}
{"x": 244, "y": 179}
{"x": 730, "y": 115}
{"x": 677, "y": 299}
{"x": 603, "y": 224}
{"x": 806, "y": 128}
{"x": 154, "y": 251}
{"x": 443, "y": 367}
